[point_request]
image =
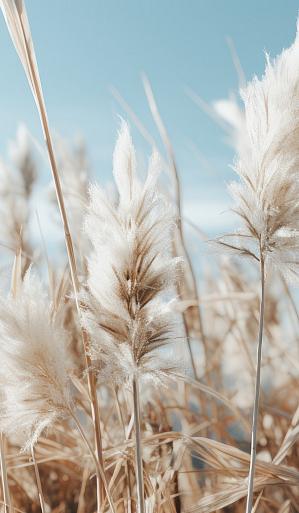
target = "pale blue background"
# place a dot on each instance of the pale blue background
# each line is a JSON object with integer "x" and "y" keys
{"x": 85, "y": 47}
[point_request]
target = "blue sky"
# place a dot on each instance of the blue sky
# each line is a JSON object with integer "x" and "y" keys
{"x": 86, "y": 47}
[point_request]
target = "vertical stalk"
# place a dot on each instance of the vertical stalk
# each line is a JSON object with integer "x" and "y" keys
{"x": 38, "y": 482}
{"x": 257, "y": 391}
{"x": 138, "y": 447}
{"x": 6, "y": 495}
{"x": 71, "y": 260}
{"x": 127, "y": 469}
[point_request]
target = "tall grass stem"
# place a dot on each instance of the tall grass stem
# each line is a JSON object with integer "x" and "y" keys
{"x": 138, "y": 447}
{"x": 71, "y": 257}
{"x": 257, "y": 391}
{"x": 38, "y": 482}
{"x": 6, "y": 494}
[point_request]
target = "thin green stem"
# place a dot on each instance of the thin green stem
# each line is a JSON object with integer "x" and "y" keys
{"x": 138, "y": 447}
{"x": 257, "y": 392}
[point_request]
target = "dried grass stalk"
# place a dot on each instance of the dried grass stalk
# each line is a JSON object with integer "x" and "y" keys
{"x": 17, "y": 22}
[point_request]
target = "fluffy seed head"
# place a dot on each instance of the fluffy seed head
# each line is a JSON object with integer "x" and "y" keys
{"x": 267, "y": 196}
{"x": 130, "y": 267}
{"x": 21, "y": 155}
{"x": 33, "y": 371}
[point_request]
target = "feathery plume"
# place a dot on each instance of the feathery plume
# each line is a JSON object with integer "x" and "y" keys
{"x": 16, "y": 185}
{"x": 129, "y": 269}
{"x": 232, "y": 116}
{"x": 20, "y": 153}
{"x": 74, "y": 170}
{"x": 33, "y": 373}
{"x": 14, "y": 207}
{"x": 266, "y": 198}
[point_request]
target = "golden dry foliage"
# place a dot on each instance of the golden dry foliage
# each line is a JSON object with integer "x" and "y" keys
{"x": 195, "y": 432}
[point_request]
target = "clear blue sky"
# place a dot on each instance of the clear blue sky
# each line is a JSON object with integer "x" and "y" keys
{"x": 85, "y": 47}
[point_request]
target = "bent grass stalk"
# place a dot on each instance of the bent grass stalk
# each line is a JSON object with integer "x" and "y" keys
{"x": 31, "y": 66}
{"x": 257, "y": 391}
{"x": 75, "y": 283}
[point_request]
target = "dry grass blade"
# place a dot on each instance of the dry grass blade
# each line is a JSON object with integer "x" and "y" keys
{"x": 286, "y": 507}
{"x": 38, "y": 482}
{"x": 213, "y": 393}
{"x": 191, "y": 285}
{"x": 18, "y": 25}
{"x": 290, "y": 438}
{"x": 233, "y": 463}
{"x": 6, "y": 494}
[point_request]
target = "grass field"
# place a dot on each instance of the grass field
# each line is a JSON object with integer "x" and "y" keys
{"x": 132, "y": 378}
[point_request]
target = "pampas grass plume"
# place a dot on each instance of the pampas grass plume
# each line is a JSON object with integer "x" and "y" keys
{"x": 130, "y": 269}
{"x": 266, "y": 197}
{"x": 34, "y": 363}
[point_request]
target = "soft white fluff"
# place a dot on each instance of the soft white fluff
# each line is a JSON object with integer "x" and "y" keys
{"x": 33, "y": 371}
{"x": 21, "y": 156}
{"x": 130, "y": 268}
{"x": 14, "y": 208}
{"x": 74, "y": 170}
{"x": 230, "y": 111}
{"x": 267, "y": 196}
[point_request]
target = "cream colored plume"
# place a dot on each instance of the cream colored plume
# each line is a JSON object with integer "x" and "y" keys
{"x": 34, "y": 362}
{"x": 266, "y": 196}
{"x": 130, "y": 269}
